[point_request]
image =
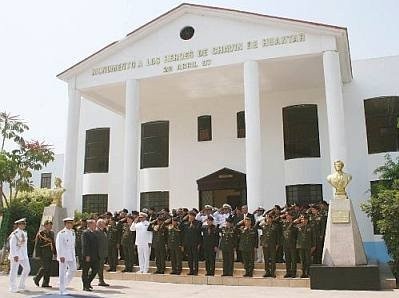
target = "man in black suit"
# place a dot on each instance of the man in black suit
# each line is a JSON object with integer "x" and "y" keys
{"x": 90, "y": 255}
{"x": 191, "y": 241}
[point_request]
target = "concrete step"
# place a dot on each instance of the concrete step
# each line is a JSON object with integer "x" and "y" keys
{"x": 219, "y": 264}
{"x": 209, "y": 280}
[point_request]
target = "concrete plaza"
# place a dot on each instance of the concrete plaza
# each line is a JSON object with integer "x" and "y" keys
{"x": 125, "y": 288}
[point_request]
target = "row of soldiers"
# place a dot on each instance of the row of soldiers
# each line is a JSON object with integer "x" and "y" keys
{"x": 294, "y": 233}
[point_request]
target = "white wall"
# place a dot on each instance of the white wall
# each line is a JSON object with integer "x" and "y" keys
{"x": 55, "y": 168}
{"x": 190, "y": 160}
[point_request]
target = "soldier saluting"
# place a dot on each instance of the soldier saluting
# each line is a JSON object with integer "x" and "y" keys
{"x": 306, "y": 243}
{"x": 45, "y": 250}
{"x": 248, "y": 243}
{"x": 228, "y": 241}
{"x": 269, "y": 242}
{"x": 175, "y": 245}
{"x": 159, "y": 233}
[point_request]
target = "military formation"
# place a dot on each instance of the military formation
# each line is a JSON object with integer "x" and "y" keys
{"x": 293, "y": 234}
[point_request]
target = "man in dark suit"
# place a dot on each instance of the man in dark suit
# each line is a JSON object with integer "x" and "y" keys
{"x": 244, "y": 214}
{"x": 89, "y": 254}
{"x": 102, "y": 241}
{"x": 191, "y": 241}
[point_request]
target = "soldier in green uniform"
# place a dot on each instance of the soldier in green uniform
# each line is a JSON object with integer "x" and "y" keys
{"x": 127, "y": 242}
{"x": 247, "y": 245}
{"x": 228, "y": 240}
{"x": 175, "y": 245}
{"x": 45, "y": 250}
{"x": 210, "y": 243}
{"x": 159, "y": 234}
{"x": 269, "y": 242}
{"x": 306, "y": 243}
{"x": 113, "y": 244}
{"x": 315, "y": 223}
{"x": 78, "y": 242}
{"x": 289, "y": 244}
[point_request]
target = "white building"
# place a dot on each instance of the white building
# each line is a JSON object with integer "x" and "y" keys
{"x": 45, "y": 177}
{"x": 152, "y": 114}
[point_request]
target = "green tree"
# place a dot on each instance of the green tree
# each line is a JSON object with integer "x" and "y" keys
{"x": 383, "y": 207}
{"x": 17, "y": 164}
{"x": 29, "y": 205}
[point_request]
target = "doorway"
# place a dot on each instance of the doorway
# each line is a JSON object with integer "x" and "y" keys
{"x": 221, "y": 187}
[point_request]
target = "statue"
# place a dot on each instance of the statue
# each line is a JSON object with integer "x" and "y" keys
{"x": 339, "y": 180}
{"x": 57, "y": 192}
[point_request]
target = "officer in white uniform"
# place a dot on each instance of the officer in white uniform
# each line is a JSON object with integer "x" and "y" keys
{"x": 65, "y": 243}
{"x": 143, "y": 241}
{"x": 18, "y": 256}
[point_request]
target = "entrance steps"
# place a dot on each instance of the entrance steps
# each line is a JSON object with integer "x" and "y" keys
{"x": 236, "y": 280}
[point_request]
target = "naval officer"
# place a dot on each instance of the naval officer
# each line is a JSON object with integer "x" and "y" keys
{"x": 65, "y": 244}
{"x": 19, "y": 256}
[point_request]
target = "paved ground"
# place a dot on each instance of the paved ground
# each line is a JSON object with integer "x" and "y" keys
{"x": 122, "y": 288}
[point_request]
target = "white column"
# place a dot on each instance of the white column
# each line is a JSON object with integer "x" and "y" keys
{"x": 132, "y": 141}
{"x": 335, "y": 106}
{"x": 71, "y": 149}
{"x": 253, "y": 138}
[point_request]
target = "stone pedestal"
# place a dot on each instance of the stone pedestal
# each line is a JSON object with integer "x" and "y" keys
{"x": 56, "y": 215}
{"x": 344, "y": 261}
{"x": 343, "y": 244}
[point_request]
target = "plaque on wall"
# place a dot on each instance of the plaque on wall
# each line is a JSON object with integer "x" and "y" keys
{"x": 340, "y": 216}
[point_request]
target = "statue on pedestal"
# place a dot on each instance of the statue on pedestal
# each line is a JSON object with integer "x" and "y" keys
{"x": 339, "y": 180}
{"x": 57, "y": 192}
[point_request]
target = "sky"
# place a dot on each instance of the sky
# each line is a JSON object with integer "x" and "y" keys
{"x": 41, "y": 38}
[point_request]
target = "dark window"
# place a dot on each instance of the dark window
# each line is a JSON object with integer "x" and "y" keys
{"x": 382, "y": 124}
{"x": 303, "y": 194}
{"x": 301, "y": 131}
{"x": 187, "y": 33}
{"x": 155, "y": 199}
{"x": 97, "y": 150}
{"x": 241, "y": 124}
{"x": 45, "y": 181}
{"x": 204, "y": 128}
{"x": 96, "y": 203}
{"x": 155, "y": 144}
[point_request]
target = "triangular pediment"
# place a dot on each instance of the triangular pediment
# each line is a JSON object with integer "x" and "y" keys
{"x": 221, "y": 36}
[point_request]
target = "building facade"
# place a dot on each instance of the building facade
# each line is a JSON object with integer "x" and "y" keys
{"x": 205, "y": 105}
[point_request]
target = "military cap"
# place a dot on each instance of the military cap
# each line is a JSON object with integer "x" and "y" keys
{"x": 226, "y": 206}
{"x": 142, "y": 214}
{"x": 68, "y": 219}
{"x": 22, "y": 220}
{"x": 125, "y": 210}
{"x": 208, "y": 207}
{"x": 47, "y": 221}
{"x": 135, "y": 213}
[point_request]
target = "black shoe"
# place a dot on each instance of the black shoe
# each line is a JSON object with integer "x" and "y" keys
{"x": 267, "y": 274}
{"x": 36, "y": 282}
{"x": 111, "y": 270}
{"x": 287, "y": 275}
{"x": 103, "y": 284}
{"x": 46, "y": 286}
{"x": 245, "y": 275}
{"x": 173, "y": 272}
{"x": 90, "y": 287}
{"x": 87, "y": 289}
{"x": 304, "y": 276}
{"x": 190, "y": 273}
{"x": 178, "y": 273}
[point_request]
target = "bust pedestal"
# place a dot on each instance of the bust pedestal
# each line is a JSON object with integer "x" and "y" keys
{"x": 56, "y": 214}
{"x": 343, "y": 244}
{"x": 344, "y": 261}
